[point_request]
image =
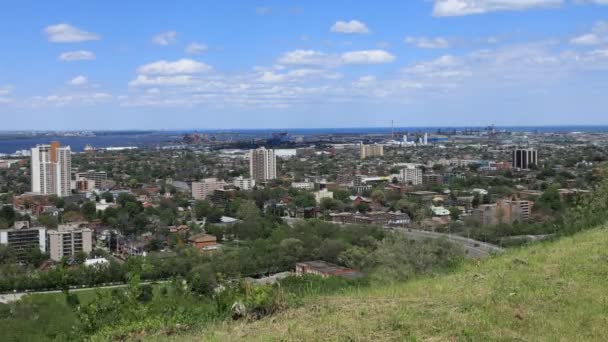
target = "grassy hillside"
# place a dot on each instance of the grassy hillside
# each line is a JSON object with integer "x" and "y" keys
{"x": 555, "y": 291}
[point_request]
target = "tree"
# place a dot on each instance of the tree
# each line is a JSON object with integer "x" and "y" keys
{"x": 89, "y": 210}
{"x": 329, "y": 204}
{"x": 248, "y": 211}
{"x": 7, "y": 254}
{"x": 8, "y": 214}
{"x": 378, "y": 196}
{"x": 550, "y": 199}
{"x": 202, "y": 279}
{"x": 201, "y": 209}
{"x": 35, "y": 257}
{"x": 454, "y": 213}
{"x": 362, "y": 207}
{"x": 108, "y": 197}
{"x": 341, "y": 195}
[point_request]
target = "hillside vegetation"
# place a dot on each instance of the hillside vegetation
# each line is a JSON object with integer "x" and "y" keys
{"x": 554, "y": 291}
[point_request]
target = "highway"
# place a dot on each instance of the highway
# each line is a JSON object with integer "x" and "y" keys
{"x": 474, "y": 249}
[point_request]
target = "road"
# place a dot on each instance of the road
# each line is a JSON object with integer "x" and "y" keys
{"x": 474, "y": 249}
{"x": 6, "y": 298}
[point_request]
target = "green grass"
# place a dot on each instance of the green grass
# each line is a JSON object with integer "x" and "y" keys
{"x": 553, "y": 291}
{"x": 39, "y": 317}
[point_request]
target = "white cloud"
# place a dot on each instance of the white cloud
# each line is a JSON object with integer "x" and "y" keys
{"x": 367, "y": 57}
{"x": 179, "y": 67}
{"x": 428, "y": 43}
{"x": 69, "y": 99}
{"x": 305, "y": 57}
{"x": 80, "y": 55}
{"x": 449, "y": 8}
{"x": 79, "y": 81}
{"x": 298, "y": 75}
{"x": 5, "y": 90}
{"x": 350, "y": 27}
{"x": 597, "y": 36}
{"x": 165, "y": 38}
{"x": 271, "y": 77}
{"x": 66, "y": 33}
{"x": 174, "y": 80}
{"x": 195, "y": 48}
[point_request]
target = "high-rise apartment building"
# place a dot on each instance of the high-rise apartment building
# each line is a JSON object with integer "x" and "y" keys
{"x": 21, "y": 238}
{"x": 68, "y": 240}
{"x": 411, "y": 175}
{"x": 524, "y": 158}
{"x": 205, "y": 188}
{"x": 371, "y": 151}
{"x": 51, "y": 169}
{"x": 262, "y": 164}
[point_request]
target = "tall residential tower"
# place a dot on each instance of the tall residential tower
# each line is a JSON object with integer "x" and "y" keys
{"x": 262, "y": 164}
{"x": 51, "y": 169}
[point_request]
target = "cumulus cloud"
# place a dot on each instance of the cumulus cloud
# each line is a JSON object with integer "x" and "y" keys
{"x": 597, "y": 36}
{"x": 428, "y": 43}
{"x": 450, "y": 8}
{"x": 350, "y": 27}
{"x": 66, "y": 33}
{"x": 182, "y": 66}
{"x": 80, "y": 55}
{"x": 367, "y": 57}
{"x": 305, "y": 57}
{"x": 165, "y": 38}
{"x": 79, "y": 81}
{"x": 195, "y": 48}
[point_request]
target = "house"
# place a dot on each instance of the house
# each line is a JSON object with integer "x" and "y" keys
{"x": 204, "y": 241}
{"x": 326, "y": 269}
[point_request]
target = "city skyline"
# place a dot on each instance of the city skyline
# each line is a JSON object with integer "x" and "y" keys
{"x": 307, "y": 65}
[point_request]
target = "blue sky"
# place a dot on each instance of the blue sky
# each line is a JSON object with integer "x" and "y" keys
{"x": 277, "y": 64}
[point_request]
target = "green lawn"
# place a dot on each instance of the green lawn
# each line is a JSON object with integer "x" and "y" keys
{"x": 554, "y": 291}
{"x": 39, "y": 317}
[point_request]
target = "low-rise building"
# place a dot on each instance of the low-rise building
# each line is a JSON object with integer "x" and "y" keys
{"x": 205, "y": 242}
{"x": 321, "y": 194}
{"x": 244, "y": 183}
{"x": 486, "y": 214}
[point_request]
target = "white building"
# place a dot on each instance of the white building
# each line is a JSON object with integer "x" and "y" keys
{"x": 411, "y": 175}
{"x": 201, "y": 190}
{"x": 68, "y": 240}
{"x": 262, "y": 164}
{"x": 51, "y": 169}
{"x": 374, "y": 150}
{"x": 303, "y": 185}
{"x": 243, "y": 183}
{"x": 321, "y": 194}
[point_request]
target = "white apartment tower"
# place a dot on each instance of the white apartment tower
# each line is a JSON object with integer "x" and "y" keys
{"x": 51, "y": 169}
{"x": 374, "y": 150}
{"x": 411, "y": 175}
{"x": 262, "y": 164}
